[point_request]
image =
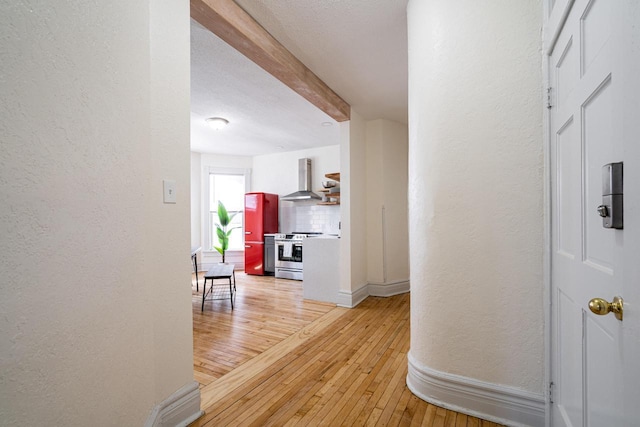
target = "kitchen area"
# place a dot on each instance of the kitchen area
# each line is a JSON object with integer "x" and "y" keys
{"x": 293, "y": 234}
{"x": 246, "y": 122}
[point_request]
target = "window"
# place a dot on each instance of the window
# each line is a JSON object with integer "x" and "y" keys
{"x": 229, "y": 187}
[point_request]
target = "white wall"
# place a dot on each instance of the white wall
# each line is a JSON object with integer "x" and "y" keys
{"x": 278, "y": 173}
{"x": 95, "y": 283}
{"x": 167, "y": 231}
{"x": 196, "y": 199}
{"x": 387, "y": 227}
{"x": 223, "y": 161}
{"x": 353, "y": 244}
{"x": 476, "y": 190}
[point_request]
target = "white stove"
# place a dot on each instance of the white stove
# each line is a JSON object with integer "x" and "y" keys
{"x": 289, "y": 254}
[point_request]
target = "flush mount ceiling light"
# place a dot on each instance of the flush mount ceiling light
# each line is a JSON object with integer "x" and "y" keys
{"x": 325, "y": 124}
{"x": 217, "y": 122}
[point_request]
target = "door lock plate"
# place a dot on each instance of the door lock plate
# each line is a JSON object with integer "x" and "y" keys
{"x": 611, "y": 208}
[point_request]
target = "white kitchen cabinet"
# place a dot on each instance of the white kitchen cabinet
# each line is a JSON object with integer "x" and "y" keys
{"x": 321, "y": 269}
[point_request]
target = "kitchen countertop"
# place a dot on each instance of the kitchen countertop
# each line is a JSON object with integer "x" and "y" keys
{"x": 312, "y": 236}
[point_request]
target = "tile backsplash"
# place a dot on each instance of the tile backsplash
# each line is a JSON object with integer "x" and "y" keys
{"x": 309, "y": 217}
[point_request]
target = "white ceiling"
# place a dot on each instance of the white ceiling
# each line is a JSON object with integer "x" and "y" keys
{"x": 357, "y": 47}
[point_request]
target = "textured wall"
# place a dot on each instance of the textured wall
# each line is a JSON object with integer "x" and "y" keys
{"x": 94, "y": 289}
{"x": 167, "y": 231}
{"x": 476, "y": 189}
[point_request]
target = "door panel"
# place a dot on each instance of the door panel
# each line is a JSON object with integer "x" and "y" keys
{"x": 597, "y": 127}
{"x": 595, "y": 28}
{"x": 601, "y": 357}
{"x": 569, "y": 390}
{"x": 568, "y": 175}
{"x": 589, "y": 126}
{"x": 566, "y": 69}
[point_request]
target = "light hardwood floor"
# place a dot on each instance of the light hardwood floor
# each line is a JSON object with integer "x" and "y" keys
{"x": 277, "y": 359}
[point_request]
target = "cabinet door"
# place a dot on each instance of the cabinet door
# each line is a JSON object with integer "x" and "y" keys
{"x": 253, "y": 258}
{"x": 269, "y": 256}
{"x": 254, "y": 217}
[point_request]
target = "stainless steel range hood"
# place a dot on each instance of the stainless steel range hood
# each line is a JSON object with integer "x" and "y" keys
{"x": 304, "y": 183}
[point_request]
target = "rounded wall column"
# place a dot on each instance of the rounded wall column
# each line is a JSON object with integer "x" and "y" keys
{"x": 476, "y": 206}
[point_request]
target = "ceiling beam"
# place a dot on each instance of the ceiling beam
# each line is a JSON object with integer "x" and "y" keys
{"x": 232, "y": 24}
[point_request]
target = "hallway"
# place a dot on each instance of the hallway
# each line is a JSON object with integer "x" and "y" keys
{"x": 306, "y": 363}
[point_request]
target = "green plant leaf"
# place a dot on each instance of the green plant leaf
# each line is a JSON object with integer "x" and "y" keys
{"x": 221, "y": 233}
{"x": 221, "y": 228}
{"x": 223, "y": 215}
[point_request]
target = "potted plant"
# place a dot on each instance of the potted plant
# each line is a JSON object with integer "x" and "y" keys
{"x": 223, "y": 230}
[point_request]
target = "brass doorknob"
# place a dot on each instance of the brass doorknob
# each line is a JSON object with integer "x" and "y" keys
{"x": 601, "y": 306}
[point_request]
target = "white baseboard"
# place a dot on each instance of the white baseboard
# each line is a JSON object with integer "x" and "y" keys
{"x": 492, "y": 402}
{"x": 388, "y": 289}
{"x": 352, "y": 299}
{"x": 179, "y": 409}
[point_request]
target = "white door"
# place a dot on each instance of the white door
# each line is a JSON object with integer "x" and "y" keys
{"x": 594, "y": 76}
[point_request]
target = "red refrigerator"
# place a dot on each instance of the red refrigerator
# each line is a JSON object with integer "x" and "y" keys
{"x": 260, "y": 217}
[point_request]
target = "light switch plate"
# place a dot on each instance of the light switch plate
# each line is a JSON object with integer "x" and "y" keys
{"x": 169, "y": 191}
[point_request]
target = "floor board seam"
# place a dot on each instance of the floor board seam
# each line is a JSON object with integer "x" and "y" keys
{"x": 234, "y": 379}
